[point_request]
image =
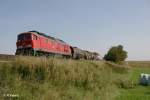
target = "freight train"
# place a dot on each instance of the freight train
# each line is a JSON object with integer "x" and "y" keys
{"x": 34, "y": 43}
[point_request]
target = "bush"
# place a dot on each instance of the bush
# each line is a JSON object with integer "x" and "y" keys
{"x": 124, "y": 83}
{"x": 116, "y": 54}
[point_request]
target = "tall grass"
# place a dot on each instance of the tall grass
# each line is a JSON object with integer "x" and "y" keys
{"x": 58, "y": 79}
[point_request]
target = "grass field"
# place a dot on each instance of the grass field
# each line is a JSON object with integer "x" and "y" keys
{"x": 64, "y": 79}
{"x": 138, "y": 92}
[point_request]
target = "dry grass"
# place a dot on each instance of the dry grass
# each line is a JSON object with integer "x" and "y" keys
{"x": 139, "y": 63}
{"x": 58, "y": 79}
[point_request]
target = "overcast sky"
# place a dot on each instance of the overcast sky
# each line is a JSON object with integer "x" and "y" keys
{"x": 94, "y": 25}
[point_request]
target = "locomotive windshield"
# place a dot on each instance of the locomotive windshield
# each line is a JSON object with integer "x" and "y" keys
{"x": 24, "y": 37}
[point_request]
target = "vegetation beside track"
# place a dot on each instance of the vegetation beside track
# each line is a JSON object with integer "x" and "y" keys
{"x": 65, "y": 79}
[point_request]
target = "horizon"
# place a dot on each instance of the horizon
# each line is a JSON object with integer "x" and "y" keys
{"x": 94, "y": 25}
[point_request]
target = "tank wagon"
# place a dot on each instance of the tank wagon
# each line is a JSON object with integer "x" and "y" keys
{"x": 34, "y": 43}
{"x": 83, "y": 54}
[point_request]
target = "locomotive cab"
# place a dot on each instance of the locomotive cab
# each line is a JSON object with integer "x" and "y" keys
{"x": 24, "y": 43}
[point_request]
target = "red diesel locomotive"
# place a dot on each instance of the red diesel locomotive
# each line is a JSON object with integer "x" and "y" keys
{"x": 35, "y": 43}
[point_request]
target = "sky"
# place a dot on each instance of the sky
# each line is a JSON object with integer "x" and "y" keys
{"x": 94, "y": 25}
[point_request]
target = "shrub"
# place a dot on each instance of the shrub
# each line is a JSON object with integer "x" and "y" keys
{"x": 125, "y": 83}
{"x": 116, "y": 54}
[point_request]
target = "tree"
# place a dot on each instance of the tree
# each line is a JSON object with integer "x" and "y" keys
{"x": 116, "y": 54}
